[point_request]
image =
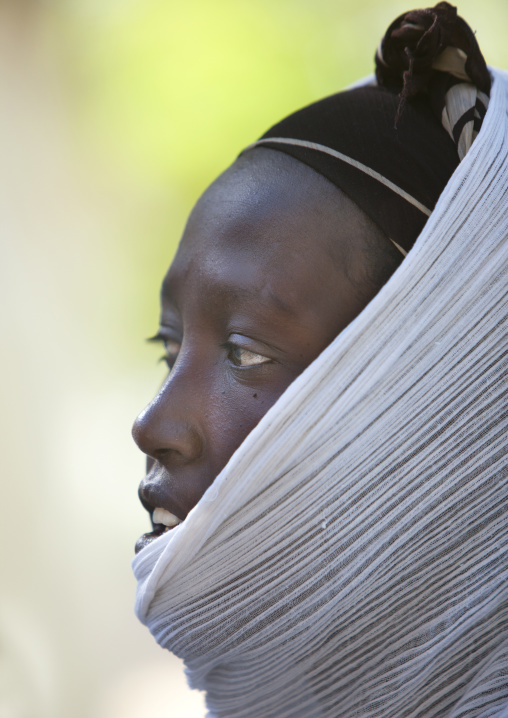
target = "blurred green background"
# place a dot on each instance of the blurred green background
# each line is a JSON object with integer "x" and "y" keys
{"x": 114, "y": 116}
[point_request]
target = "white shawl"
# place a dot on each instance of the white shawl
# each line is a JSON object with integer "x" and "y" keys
{"x": 351, "y": 558}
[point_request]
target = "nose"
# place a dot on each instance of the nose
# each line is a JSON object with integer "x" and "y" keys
{"x": 167, "y": 430}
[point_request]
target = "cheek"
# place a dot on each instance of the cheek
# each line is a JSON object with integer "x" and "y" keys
{"x": 236, "y": 409}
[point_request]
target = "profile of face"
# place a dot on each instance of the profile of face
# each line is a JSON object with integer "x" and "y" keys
{"x": 275, "y": 261}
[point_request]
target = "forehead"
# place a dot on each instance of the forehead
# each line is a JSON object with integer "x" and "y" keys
{"x": 269, "y": 230}
{"x": 256, "y": 203}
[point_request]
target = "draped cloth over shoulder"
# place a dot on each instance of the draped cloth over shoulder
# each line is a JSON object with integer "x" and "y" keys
{"x": 351, "y": 558}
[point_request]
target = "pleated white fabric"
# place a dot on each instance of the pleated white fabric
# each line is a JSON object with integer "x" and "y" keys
{"x": 351, "y": 559}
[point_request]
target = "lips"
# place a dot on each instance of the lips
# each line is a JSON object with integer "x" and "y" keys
{"x": 164, "y": 513}
{"x": 162, "y": 521}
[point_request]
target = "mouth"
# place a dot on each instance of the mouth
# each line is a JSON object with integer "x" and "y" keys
{"x": 162, "y": 521}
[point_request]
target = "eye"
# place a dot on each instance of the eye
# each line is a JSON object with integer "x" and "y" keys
{"x": 243, "y": 357}
{"x": 172, "y": 350}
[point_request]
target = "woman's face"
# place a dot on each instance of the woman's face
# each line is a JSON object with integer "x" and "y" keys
{"x": 268, "y": 272}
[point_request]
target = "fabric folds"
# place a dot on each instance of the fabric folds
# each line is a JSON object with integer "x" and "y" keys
{"x": 351, "y": 559}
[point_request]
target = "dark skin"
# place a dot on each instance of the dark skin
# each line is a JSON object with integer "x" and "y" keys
{"x": 274, "y": 263}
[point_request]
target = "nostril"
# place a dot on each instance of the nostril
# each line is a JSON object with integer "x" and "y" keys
{"x": 161, "y": 453}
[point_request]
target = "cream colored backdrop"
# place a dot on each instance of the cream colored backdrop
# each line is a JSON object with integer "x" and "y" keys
{"x": 114, "y": 116}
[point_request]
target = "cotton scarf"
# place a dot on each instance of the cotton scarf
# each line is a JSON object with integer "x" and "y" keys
{"x": 351, "y": 559}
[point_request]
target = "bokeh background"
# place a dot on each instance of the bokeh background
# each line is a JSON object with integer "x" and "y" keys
{"x": 114, "y": 116}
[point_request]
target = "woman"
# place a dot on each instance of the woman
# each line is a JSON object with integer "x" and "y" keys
{"x": 326, "y": 460}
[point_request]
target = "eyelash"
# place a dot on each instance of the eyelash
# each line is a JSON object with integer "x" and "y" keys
{"x": 161, "y": 339}
{"x": 169, "y": 359}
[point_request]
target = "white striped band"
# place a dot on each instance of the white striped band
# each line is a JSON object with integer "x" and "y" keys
{"x": 348, "y": 160}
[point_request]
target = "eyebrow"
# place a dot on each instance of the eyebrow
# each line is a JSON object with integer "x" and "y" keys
{"x": 233, "y": 293}
{"x": 251, "y": 294}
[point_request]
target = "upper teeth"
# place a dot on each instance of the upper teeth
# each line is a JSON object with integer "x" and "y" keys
{"x": 161, "y": 516}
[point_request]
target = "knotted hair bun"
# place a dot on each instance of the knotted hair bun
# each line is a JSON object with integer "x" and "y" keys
{"x": 428, "y": 51}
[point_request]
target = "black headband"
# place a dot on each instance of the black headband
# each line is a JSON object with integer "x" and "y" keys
{"x": 394, "y": 175}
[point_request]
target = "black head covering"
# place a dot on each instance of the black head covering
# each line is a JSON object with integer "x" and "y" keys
{"x": 418, "y": 156}
{"x": 385, "y": 146}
